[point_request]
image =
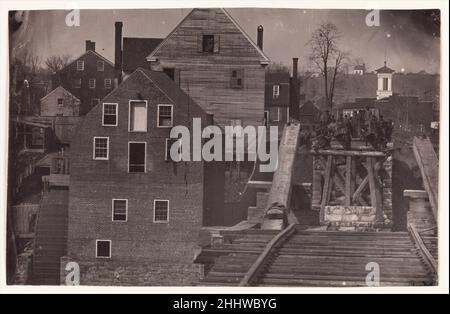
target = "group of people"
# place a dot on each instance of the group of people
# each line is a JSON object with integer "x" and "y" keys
{"x": 362, "y": 124}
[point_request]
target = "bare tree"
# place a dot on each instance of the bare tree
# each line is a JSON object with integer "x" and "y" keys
{"x": 57, "y": 62}
{"x": 327, "y": 57}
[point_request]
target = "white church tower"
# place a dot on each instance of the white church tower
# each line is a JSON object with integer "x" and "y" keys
{"x": 384, "y": 75}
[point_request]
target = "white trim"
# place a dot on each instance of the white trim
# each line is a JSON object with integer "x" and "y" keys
{"x": 89, "y": 83}
{"x": 145, "y": 159}
{"x": 171, "y": 116}
{"x": 110, "y": 83}
{"x": 89, "y": 51}
{"x": 126, "y": 209}
{"x": 264, "y": 61}
{"x": 154, "y": 211}
{"x": 278, "y": 114}
{"x": 103, "y": 114}
{"x": 107, "y": 148}
{"x": 129, "y": 115}
{"x": 96, "y": 248}
{"x": 82, "y": 65}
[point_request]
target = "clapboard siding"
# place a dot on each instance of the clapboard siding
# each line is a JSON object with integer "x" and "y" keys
{"x": 206, "y": 76}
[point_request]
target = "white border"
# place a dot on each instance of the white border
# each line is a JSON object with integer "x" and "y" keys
{"x": 89, "y": 83}
{"x": 145, "y": 160}
{"x": 154, "y": 211}
{"x": 129, "y": 115}
{"x": 443, "y": 5}
{"x": 171, "y": 117}
{"x": 96, "y": 248}
{"x": 107, "y": 148}
{"x": 103, "y": 113}
{"x": 126, "y": 209}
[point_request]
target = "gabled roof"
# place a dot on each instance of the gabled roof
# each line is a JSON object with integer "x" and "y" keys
{"x": 264, "y": 58}
{"x": 384, "y": 69}
{"x": 85, "y": 53}
{"x": 59, "y": 88}
{"x": 135, "y": 51}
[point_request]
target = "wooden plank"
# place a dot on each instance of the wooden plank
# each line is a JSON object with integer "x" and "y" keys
{"x": 428, "y": 258}
{"x": 362, "y": 186}
{"x": 326, "y": 187}
{"x": 429, "y": 168}
{"x": 348, "y": 179}
{"x": 265, "y": 255}
{"x": 352, "y": 176}
{"x": 372, "y": 185}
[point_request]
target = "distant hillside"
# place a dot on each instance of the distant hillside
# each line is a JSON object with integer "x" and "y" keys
{"x": 349, "y": 87}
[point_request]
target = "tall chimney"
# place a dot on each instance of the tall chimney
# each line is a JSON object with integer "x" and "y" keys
{"x": 118, "y": 51}
{"x": 295, "y": 68}
{"x": 90, "y": 45}
{"x": 259, "y": 38}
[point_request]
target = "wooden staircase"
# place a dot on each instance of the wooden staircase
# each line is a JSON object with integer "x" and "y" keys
{"x": 51, "y": 237}
{"x": 319, "y": 258}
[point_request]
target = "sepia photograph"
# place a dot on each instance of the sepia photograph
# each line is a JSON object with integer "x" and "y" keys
{"x": 236, "y": 146}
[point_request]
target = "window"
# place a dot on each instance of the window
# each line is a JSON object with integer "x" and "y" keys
{"x": 169, "y": 143}
{"x": 109, "y": 114}
{"x": 161, "y": 211}
{"x": 91, "y": 83}
{"x": 385, "y": 83}
{"x": 80, "y": 65}
{"x": 237, "y": 78}
{"x": 100, "y": 66}
{"x": 60, "y": 102}
{"x": 101, "y": 148}
{"x": 208, "y": 43}
{"x": 77, "y": 83}
{"x": 275, "y": 114}
{"x": 136, "y": 156}
{"x": 276, "y": 91}
{"x": 103, "y": 248}
{"x": 138, "y": 116}
{"x": 165, "y": 116}
{"x": 119, "y": 209}
{"x": 108, "y": 83}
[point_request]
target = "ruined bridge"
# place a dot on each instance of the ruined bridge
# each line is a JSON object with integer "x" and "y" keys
{"x": 346, "y": 226}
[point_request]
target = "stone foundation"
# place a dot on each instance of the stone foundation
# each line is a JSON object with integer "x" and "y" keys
{"x": 112, "y": 273}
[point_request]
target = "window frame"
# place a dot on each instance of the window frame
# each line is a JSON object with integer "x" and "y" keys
{"x": 275, "y": 91}
{"x": 110, "y": 83}
{"x": 126, "y": 209}
{"x": 129, "y": 115}
{"x": 278, "y": 119}
{"x": 103, "y": 114}
{"x": 80, "y": 68}
{"x": 154, "y": 211}
{"x": 171, "y": 116}
{"x": 102, "y": 69}
{"x": 107, "y": 148}
{"x": 239, "y": 76}
{"x": 96, "y": 248}
{"x": 89, "y": 83}
{"x": 145, "y": 157}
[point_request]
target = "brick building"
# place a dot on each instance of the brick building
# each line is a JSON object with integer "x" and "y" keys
{"x": 89, "y": 77}
{"x": 134, "y": 215}
{"x": 213, "y": 60}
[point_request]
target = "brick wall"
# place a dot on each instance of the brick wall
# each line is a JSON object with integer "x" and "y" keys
{"x": 94, "y": 183}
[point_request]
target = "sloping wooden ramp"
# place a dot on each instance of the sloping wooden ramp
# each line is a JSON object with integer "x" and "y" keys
{"x": 296, "y": 257}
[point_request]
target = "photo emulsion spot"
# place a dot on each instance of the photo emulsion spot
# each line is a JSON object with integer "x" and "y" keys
{"x": 220, "y": 147}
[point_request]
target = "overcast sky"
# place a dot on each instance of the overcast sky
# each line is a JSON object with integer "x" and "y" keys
{"x": 409, "y": 39}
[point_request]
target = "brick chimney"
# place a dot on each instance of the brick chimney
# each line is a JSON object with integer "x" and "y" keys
{"x": 118, "y": 51}
{"x": 259, "y": 39}
{"x": 90, "y": 45}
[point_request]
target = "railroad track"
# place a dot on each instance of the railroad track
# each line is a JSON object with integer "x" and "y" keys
{"x": 296, "y": 257}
